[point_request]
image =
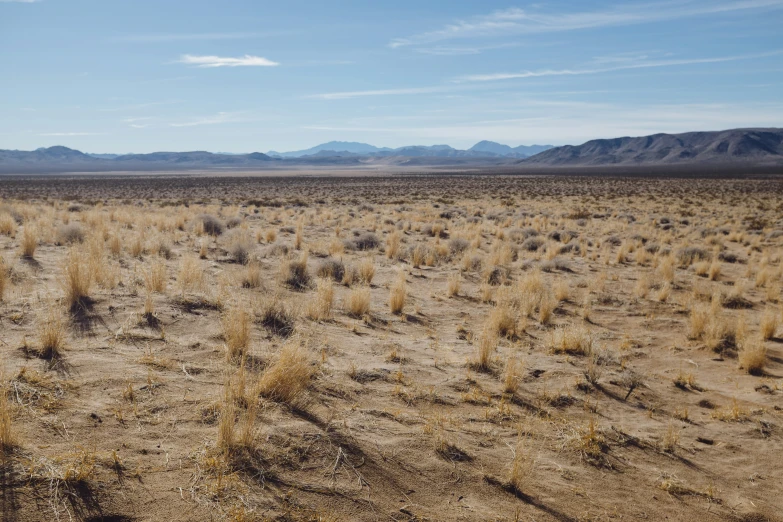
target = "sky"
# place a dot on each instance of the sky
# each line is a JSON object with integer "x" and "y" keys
{"x": 244, "y": 75}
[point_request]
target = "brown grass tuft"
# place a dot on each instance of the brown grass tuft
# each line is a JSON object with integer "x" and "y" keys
{"x": 287, "y": 379}
{"x": 398, "y": 294}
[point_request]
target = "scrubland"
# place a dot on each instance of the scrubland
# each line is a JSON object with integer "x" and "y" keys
{"x": 391, "y": 348}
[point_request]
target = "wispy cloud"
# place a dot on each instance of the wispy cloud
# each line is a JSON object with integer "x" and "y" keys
{"x": 20, "y": 1}
{"x": 222, "y": 61}
{"x": 187, "y": 37}
{"x": 221, "y": 117}
{"x": 640, "y": 64}
{"x": 519, "y": 21}
{"x": 71, "y": 134}
{"x": 379, "y": 92}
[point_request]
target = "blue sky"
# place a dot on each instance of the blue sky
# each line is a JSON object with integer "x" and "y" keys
{"x": 242, "y": 75}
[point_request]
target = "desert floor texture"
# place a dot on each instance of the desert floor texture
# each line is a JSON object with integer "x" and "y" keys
{"x": 424, "y": 347}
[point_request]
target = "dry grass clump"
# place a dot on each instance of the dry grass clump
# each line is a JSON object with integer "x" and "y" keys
{"x": 29, "y": 242}
{"x": 236, "y": 331}
{"x": 7, "y": 437}
{"x": 287, "y": 379}
{"x": 51, "y": 334}
{"x": 512, "y": 375}
{"x": 3, "y": 277}
{"x": 293, "y": 273}
{"x": 320, "y": 308}
{"x": 155, "y": 277}
{"x": 76, "y": 280}
{"x": 571, "y": 339}
{"x": 398, "y": 294}
{"x": 7, "y": 225}
{"x": 358, "y": 302}
{"x": 487, "y": 344}
{"x": 191, "y": 274}
{"x": 769, "y": 324}
{"x": 522, "y": 464}
{"x": 454, "y": 284}
{"x": 752, "y": 356}
{"x": 366, "y": 270}
{"x": 252, "y": 276}
{"x": 393, "y": 241}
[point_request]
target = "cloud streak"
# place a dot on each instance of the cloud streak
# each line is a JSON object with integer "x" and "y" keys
{"x": 222, "y": 61}
{"x": 379, "y": 92}
{"x": 71, "y": 134}
{"x": 519, "y": 21}
{"x": 187, "y": 37}
{"x": 217, "y": 119}
{"x": 638, "y": 65}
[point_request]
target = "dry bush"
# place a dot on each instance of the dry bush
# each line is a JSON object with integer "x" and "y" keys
{"x": 210, "y": 225}
{"x": 277, "y": 316}
{"x": 236, "y": 331}
{"x": 287, "y": 379}
{"x": 320, "y": 308}
{"x": 561, "y": 290}
{"x": 76, "y": 280}
{"x": 752, "y": 356}
{"x": 714, "y": 271}
{"x": 29, "y": 242}
{"x": 155, "y": 277}
{"x": 366, "y": 270}
{"x": 572, "y": 340}
{"x": 454, "y": 284}
{"x": 331, "y": 268}
{"x": 546, "y": 308}
{"x": 358, "y": 302}
{"x": 698, "y": 320}
{"x": 398, "y": 294}
{"x": 69, "y": 234}
{"x": 225, "y": 438}
{"x": 270, "y": 236}
{"x": 769, "y": 324}
{"x": 293, "y": 273}
{"x": 51, "y": 333}
{"x": 240, "y": 248}
{"x": 503, "y": 319}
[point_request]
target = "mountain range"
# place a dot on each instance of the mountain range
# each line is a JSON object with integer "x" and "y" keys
{"x": 481, "y": 149}
{"x": 736, "y": 147}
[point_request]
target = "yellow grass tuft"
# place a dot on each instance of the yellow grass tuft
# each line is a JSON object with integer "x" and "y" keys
{"x": 398, "y": 294}
{"x": 287, "y": 379}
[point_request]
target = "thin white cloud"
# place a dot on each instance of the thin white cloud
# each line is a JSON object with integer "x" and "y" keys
{"x": 71, "y": 134}
{"x": 379, "y": 92}
{"x": 20, "y": 1}
{"x": 219, "y": 118}
{"x": 187, "y": 37}
{"x": 519, "y": 21}
{"x": 223, "y": 61}
{"x": 643, "y": 64}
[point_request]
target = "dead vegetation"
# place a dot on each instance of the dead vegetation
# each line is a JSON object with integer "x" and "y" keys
{"x": 422, "y": 348}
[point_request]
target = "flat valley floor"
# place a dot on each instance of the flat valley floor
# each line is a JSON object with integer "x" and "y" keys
{"x": 423, "y": 347}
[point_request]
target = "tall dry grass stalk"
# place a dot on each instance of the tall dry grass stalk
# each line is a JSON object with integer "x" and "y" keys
{"x": 3, "y": 278}
{"x": 51, "y": 333}
{"x": 8, "y": 439}
{"x": 29, "y": 242}
{"x": 358, "y": 302}
{"x": 76, "y": 279}
{"x": 236, "y": 331}
{"x": 320, "y": 308}
{"x": 398, "y": 294}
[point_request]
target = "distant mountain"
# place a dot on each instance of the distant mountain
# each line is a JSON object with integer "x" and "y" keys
{"x": 195, "y": 158}
{"x": 333, "y": 146}
{"x": 756, "y": 146}
{"x": 64, "y": 159}
{"x": 522, "y": 151}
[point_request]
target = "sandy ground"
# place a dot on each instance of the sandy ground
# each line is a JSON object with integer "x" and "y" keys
{"x": 615, "y": 383}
